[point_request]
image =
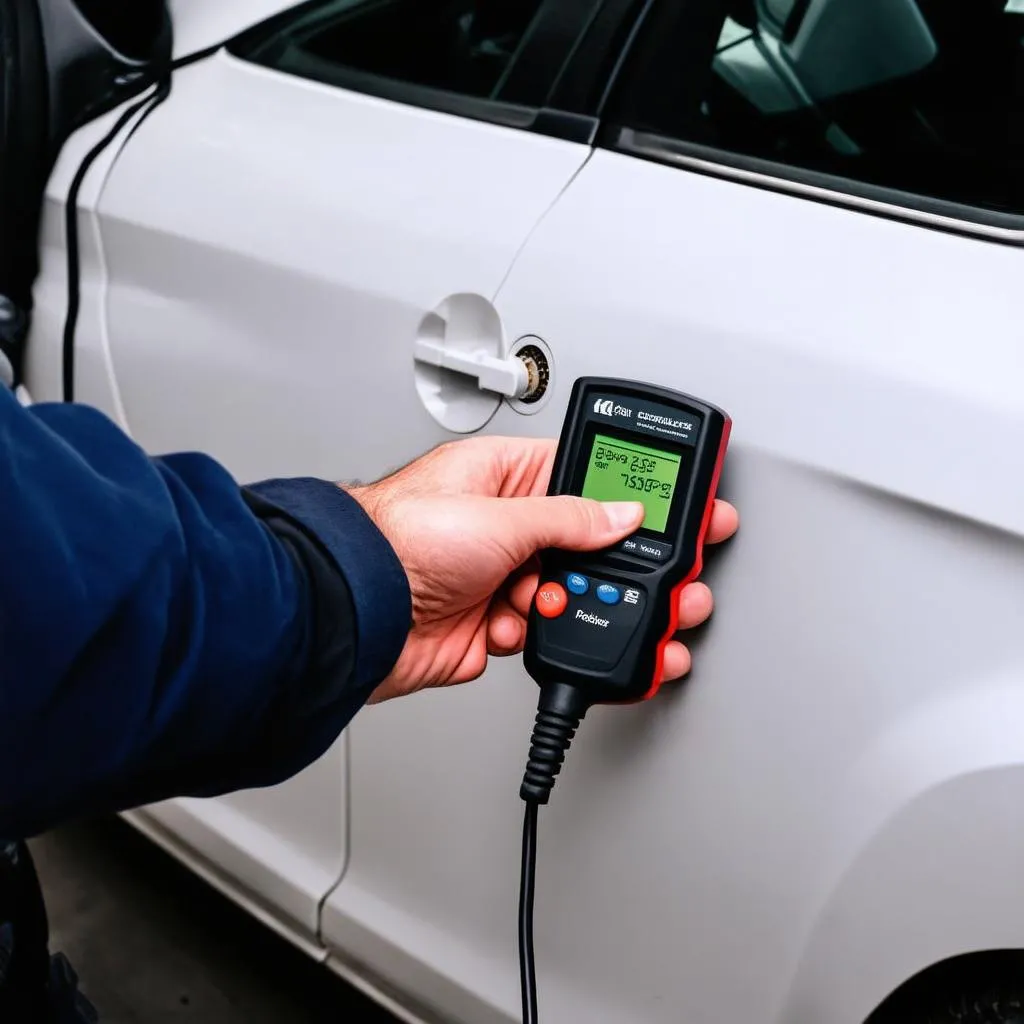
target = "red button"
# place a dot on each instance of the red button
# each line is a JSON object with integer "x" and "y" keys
{"x": 552, "y": 600}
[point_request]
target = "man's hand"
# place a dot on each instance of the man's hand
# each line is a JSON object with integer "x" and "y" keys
{"x": 467, "y": 521}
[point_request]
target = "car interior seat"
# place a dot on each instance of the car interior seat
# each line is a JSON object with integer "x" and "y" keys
{"x": 829, "y": 48}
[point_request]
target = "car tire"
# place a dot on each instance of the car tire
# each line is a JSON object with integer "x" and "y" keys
{"x": 985, "y": 997}
{"x": 986, "y": 1010}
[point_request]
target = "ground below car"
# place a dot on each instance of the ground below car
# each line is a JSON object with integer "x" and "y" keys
{"x": 155, "y": 945}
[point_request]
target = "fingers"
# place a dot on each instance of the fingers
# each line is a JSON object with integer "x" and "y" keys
{"x": 579, "y": 524}
{"x": 505, "y": 467}
{"x": 725, "y": 520}
{"x": 521, "y": 591}
{"x": 525, "y": 466}
{"x": 696, "y": 602}
{"x": 695, "y": 605}
{"x": 676, "y": 663}
{"x": 566, "y": 522}
{"x": 506, "y": 629}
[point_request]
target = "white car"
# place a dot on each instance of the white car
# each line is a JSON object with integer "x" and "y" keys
{"x": 808, "y": 212}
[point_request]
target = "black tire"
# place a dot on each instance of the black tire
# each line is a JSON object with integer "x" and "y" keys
{"x": 989, "y": 1008}
{"x": 988, "y": 989}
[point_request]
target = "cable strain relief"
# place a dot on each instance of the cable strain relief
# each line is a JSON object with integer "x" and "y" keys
{"x": 559, "y": 712}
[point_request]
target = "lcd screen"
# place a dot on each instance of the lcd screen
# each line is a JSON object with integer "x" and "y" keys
{"x": 623, "y": 471}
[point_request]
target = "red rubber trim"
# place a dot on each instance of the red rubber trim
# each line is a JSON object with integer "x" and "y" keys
{"x": 698, "y": 564}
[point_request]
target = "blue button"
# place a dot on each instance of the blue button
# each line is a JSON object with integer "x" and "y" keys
{"x": 609, "y": 594}
{"x": 577, "y": 584}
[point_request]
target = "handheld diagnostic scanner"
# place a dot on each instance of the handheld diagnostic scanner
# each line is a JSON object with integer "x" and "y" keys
{"x": 600, "y": 621}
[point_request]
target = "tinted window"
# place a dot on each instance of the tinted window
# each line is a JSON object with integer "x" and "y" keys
{"x": 133, "y": 29}
{"x": 925, "y": 96}
{"x": 461, "y": 46}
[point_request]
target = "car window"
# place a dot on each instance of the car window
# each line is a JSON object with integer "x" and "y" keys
{"x": 921, "y": 96}
{"x": 131, "y": 29}
{"x": 459, "y": 46}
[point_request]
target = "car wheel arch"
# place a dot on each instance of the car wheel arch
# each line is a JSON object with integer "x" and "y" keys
{"x": 930, "y": 878}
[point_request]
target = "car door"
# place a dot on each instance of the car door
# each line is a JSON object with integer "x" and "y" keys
{"x": 269, "y": 248}
{"x": 810, "y": 214}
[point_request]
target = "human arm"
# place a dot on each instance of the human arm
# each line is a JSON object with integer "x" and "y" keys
{"x": 164, "y": 631}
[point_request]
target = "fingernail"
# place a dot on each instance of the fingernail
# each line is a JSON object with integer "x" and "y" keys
{"x": 622, "y": 515}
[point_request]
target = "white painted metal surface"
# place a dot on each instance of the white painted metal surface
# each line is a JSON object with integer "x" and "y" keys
{"x": 200, "y": 23}
{"x": 305, "y": 232}
{"x": 264, "y": 252}
{"x": 774, "y": 838}
{"x": 256, "y": 266}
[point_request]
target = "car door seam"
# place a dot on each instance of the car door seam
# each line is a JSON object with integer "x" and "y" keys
{"x": 93, "y": 213}
{"x": 346, "y": 839}
{"x": 540, "y": 220}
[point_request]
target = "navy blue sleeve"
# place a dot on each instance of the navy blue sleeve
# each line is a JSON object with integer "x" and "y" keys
{"x": 165, "y": 632}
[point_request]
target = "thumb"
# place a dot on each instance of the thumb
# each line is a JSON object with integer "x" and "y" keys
{"x": 575, "y": 524}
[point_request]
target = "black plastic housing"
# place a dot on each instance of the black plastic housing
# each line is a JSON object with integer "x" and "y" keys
{"x": 621, "y": 661}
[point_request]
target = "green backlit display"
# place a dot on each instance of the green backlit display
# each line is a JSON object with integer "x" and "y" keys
{"x": 623, "y": 471}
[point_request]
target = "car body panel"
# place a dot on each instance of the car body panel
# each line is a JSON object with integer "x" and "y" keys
{"x": 747, "y": 840}
{"x": 936, "y": 874}
{"x": 868, "y": 605}
{"x": 199, "y": 24}
{"x": 43, "y": 358}
{"x": 198, "y": 264}
{"x": 828, "y": 805}
{"x": 399, "y": 209}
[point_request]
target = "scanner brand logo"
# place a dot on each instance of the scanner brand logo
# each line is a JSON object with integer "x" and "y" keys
{"x": 591, "y": 619}
{"x": 606, "y": 407}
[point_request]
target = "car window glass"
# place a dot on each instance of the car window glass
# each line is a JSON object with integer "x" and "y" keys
{"x": 924, "y": 96}
{"x": 461, "y": 46}
{"x": 131, "y": 29}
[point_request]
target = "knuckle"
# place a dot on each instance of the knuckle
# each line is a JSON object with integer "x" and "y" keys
{"x": 594, "y": 514}
{"x": 580, "y": 512}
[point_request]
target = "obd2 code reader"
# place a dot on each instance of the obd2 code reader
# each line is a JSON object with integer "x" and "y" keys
{"x": 600, "y": 621}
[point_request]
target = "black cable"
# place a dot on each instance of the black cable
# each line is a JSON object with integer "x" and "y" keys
{"x": 527, "y": 967}
{"x": 559, "y": 712}
{"x": 161, "y": 78}
{"x": 71, "y": 230}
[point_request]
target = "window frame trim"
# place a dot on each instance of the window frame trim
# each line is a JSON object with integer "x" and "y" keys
{"x": 423, "y": 97}
{"x": 247, "y": 47}
{"x": 888, "y": 202}
{"x": 817, "y": 186}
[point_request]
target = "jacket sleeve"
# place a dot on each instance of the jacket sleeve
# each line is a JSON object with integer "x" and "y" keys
{"x": 165, "y": 632}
